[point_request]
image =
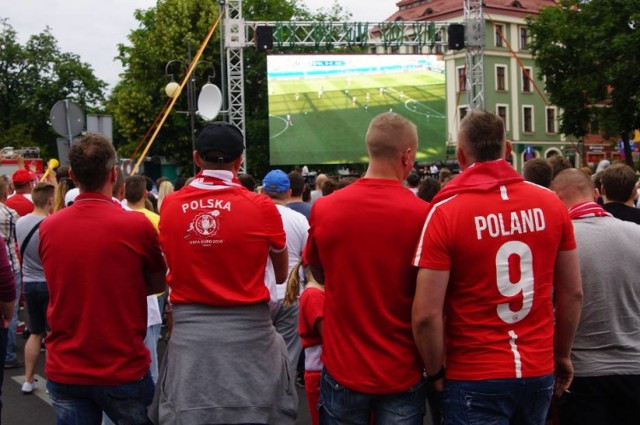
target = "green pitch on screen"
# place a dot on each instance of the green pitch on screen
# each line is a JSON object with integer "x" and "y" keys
{"x": 324, "y": 120}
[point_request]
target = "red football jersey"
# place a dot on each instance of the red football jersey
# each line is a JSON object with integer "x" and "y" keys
{"x": 216, "y": 236}
{"x": 21, "y": 204}
{"x": 363, "y": 237}
{"x": 500, "y": 246}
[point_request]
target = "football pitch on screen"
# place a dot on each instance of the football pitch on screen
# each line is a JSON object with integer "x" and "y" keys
{"x": 324, "y": 120}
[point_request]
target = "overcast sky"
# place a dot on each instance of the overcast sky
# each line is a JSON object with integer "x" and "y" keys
{"x": 93, "y": 28}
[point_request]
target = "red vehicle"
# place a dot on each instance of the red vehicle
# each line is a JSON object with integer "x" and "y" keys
{"x": 31, "y": 158}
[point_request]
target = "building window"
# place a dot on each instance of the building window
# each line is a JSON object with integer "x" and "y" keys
{"x": 501, "y": 78}
{"x": 499, "y": 32}
{"x": 502, "y": 112}
{"x": 552, "y": 125}
{"x": 524, "y": 38}
{"x": 462, "y": 78}
{"x": 527, "y": 119}
{"x": 527, "y": 76}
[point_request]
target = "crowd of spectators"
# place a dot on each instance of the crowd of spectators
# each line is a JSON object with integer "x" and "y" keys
{"x": 462, "y": 285}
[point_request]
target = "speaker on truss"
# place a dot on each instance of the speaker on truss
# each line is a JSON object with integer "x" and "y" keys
{"x": 264, "y": 38}
{"x": 455, "y": 33}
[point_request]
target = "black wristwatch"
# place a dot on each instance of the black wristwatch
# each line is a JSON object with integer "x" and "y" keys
{"x": 436, "y": 377}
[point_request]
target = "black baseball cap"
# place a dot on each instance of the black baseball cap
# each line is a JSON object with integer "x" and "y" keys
{"x": 220, "y": 142}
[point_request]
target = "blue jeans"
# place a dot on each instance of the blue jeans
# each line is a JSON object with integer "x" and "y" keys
{"x": 339, "y": 405}
{"x": 497, "y": 402}
{"x": 36, "y": 298}
{"x": 84, "y": 404}
{"x": 11, "y": 336}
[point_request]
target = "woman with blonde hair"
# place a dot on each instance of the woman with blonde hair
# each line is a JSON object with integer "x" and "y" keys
{"x": 165, "y": 188}
{"x": 64, "y": 184}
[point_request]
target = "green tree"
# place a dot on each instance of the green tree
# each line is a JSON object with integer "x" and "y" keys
{"x": 163, "y": 34}
{"x": 33, "y": 77}
{"x": 587, "y": 54}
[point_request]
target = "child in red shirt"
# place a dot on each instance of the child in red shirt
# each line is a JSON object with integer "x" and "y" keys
{"x": 310, "y": 328}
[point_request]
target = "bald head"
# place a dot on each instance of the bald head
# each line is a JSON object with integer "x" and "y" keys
{"x": 389, "y": 134}
{"x": 573, "y": 187}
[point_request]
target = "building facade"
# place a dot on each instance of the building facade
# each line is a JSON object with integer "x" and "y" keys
{"x": 513, "y": 88}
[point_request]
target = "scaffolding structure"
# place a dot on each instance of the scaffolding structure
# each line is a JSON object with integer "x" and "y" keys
{"x": 475, "y": 40}
{"x": 426, "y": 37}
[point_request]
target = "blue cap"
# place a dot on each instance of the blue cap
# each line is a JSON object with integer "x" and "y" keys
{"x": 276, "y": 181}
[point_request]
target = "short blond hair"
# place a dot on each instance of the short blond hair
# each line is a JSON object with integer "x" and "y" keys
{"x": 42, "y": 193}
{"x": 389, "y": 134}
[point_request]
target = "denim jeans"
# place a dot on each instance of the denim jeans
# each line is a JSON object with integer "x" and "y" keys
{"x": 339, "y": 405}
{"x": 497, "y": 401}
{"x": 36, "y": 298}
{"x": 11, "y": 336}
{"x": 151, "y": 342}
{"x": 84, "y": 404}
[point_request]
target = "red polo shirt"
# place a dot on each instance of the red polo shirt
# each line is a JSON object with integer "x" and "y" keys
{"x": 216, "y": 236}
{"x": 94, "y": 254}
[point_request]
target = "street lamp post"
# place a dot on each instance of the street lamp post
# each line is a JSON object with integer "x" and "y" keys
{"x": 172, "y": 89}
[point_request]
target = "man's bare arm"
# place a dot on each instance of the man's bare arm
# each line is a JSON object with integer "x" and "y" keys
{"x": 156, "y": 282}
{"x": 280, "y": 261}
{"x": 568, "y": 294}
{"x": 427, "y": 317}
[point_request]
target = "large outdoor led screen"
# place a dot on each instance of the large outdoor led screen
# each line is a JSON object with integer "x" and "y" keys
{"x": 320, "y": 105}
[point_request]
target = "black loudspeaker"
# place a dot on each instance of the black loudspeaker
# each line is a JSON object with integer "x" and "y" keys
{"x": 264, "y": 38}
{"x": 455, "y": 33}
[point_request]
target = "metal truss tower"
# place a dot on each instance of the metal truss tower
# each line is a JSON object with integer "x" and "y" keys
{"x": 426, "y": 37}
{"x": 475, "y": 40}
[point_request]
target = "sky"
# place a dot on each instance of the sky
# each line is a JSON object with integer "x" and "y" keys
{"x": 93, "y": 28}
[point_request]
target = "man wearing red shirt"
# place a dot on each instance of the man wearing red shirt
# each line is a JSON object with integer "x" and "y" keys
{"x": 225, "y": 363}
{"x": 100, "y": 262}
{"x": 493, "y": 250}
{"x": 21, "y": 201}
{"x": 360, "y": 245}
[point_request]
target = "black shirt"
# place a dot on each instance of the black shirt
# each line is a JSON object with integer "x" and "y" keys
{"x": 623, "y": 212}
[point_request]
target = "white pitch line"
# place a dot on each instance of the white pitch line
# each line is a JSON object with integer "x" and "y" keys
{"x": 286, "y": 124}
{"x": 435, "y": 114}
{"x": 40, "y": 391}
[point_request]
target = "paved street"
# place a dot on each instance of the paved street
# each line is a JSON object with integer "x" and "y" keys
{"x": 20, "y": 409}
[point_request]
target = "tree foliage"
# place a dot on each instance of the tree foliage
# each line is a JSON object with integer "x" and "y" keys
{"x": 33, "y": 77}
{"x": 163, "y": 34}
{"x": 587, "y": 51}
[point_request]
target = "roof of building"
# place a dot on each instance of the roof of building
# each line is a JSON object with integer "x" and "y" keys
{"x": 440, "y": 10}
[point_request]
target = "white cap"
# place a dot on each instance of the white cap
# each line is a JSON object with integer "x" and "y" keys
{"x": 71, "y": 196}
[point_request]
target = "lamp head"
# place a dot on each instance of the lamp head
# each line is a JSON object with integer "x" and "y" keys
{"x": 172, "y": 89}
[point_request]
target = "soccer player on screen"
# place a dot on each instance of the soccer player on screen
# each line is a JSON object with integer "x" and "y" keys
{"x": 493, "y": 248}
